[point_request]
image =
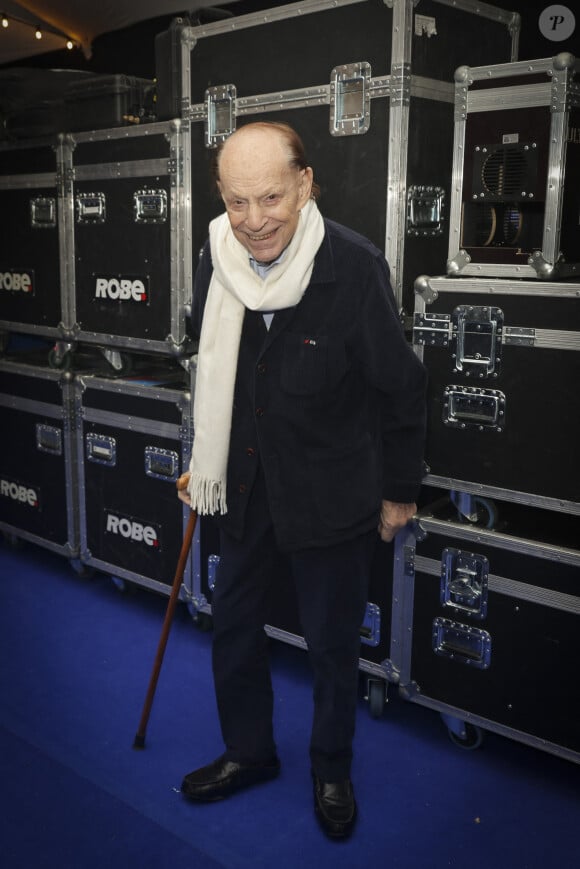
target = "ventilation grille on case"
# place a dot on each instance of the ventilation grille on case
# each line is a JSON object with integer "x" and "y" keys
{"x": 504, "y": 172}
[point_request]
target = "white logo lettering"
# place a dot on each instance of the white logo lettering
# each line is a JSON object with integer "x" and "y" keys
{"x": 120, "y": 288}
{"x": 16, "y": 281}
{"x": 17, "y": 492}
{"x": 131, "y": 530}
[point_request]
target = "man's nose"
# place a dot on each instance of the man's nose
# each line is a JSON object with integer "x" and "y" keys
{"x": 255, "y": 218}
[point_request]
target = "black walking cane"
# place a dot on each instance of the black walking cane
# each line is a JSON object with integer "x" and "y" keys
{"x": 139, "y": 741}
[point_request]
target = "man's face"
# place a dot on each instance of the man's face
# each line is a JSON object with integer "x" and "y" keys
{"x": 262, "y": 193}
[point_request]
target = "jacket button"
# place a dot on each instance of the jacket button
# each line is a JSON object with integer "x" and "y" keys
{"x": 250, "y": 451}
{"x": 242, "y": 488}
{"x": 259, "y": 411}
{"x": 261, "y": 368}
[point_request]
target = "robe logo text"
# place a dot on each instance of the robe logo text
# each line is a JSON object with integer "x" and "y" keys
{"x": 132, "y": 530}
{"x": 16, "y": 282}
{"x": 17, "y": 492}
{"x": 121, "y": 289}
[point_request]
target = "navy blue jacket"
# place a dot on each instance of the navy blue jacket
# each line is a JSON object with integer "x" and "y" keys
{"x": 331, "y": 401}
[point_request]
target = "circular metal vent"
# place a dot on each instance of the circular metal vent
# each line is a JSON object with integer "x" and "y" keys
{"x": 496, "y": 226}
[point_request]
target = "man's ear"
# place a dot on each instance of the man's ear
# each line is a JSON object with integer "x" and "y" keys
{"x": 306, "y": 185}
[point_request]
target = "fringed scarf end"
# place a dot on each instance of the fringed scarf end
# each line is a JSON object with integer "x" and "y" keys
{"x": 207, "y": 496}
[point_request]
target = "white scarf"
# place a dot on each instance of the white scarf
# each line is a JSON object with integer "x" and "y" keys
{"x": 234, "y": 287}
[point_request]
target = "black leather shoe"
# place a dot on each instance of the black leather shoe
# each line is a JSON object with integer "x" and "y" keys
{"x": 224, "y": 777}
{"x": 335, "y": 807}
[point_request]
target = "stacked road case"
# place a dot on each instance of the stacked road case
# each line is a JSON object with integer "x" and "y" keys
{"x": 97, "y": 250}
{"x": 133, "y": 440}
{"x": 96, "y": 258}
{"x": 33, "y": 296}
{"x": 89, "y": 465}
{"x": 127, "y": 250}
{"x": 503, "y": 360}
{"x": 489, "y": 579}
{"x": 489, "y": 624}
{"x": 38, "y": 456}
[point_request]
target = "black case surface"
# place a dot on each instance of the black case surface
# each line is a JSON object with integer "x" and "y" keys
{"x": 528, "y": 447}
{"x": 30, "y": 271}
{"x": 527, "y": 688}
{"x": 135, "y": 438}
{"x": 35, "y": 460}
{"x": 126, "y": 290}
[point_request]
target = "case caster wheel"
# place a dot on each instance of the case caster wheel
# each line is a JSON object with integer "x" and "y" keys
{"x": 377, "y": 697}
{"x": 59, "y": 360}
{"x": 486, "y": 514}
{"x": 121, "y": 364}
{"x": 202, "y": 621}
{"x": 13, "y": 540}
{"x": 468, "y": 738}
{"x": 122, "y": 586}
{"x": 81, "y": 569}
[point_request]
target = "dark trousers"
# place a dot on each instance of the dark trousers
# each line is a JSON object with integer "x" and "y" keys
{"x": 332, "y": 587}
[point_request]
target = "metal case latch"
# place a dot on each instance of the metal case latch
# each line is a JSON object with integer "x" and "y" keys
{"x": 150, "y": 206}
{"x": 477, "y": 332}
{"x": 90, "y": 207}
{"x": 161, "y": 464}
{"x": 220, "y": 122}
{"x": 49, "y": 439}
{"x": 425, "y": 210}
{"x": 461, "y": 643}
{"x": 101, "y": 449}
{"x": 469, "y": 407}
{"x": 43, "y": 212}
{"x": 464, "y": 580}
{"x": 350, "y": 99}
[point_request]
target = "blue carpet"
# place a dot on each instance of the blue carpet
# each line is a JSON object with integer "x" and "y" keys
{"x": 53, "y": 817}
{"x": 74, "y": 667}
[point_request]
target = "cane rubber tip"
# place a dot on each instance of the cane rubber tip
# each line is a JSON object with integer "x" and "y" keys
{"x": 139, "y": 741}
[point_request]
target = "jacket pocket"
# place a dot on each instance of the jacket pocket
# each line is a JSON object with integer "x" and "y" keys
{"x": 310, "y": 363}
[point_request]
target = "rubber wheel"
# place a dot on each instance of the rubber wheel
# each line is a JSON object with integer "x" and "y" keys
{"x": 62, "y": 363}
{"x": 85, "y": 571}
{"x": 123, "y": 586}
{"x": 487, "y": 514}
{"x": 202, "y": 621}
{"x": 125, "y": 367}
{"x": 472, "y": 739}
{"x": 377, "y": 696}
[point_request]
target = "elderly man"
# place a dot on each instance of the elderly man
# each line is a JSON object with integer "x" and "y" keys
{"x": 309, "y": 428}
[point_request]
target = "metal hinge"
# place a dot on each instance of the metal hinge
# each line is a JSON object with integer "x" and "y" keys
{"x": 433, "y": 330}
